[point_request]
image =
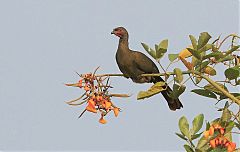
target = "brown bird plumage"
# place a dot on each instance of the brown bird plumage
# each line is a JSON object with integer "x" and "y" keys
{"x": 132, "y": 64}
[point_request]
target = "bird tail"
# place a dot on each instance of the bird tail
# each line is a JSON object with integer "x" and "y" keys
{"x": 173, "y": 104}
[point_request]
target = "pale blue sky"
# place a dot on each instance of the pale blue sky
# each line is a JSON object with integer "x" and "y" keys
{"x": 43, "y": 42}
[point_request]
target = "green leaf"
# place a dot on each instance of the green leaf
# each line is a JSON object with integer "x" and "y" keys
{"x": 195, "y": 136}
{"x": 159, "y": 55}
{"x": 177, "y": 91}
{"x": 237, "y": 95}
{"x": 163, "y": 45}
{"x": 179, "y": 76}
{"x": 213, "y": 89}
{"x": 184, "y": 126}
{"x": 226, "y": 58}
{"x": 209, "y": 70}
{"x": 202, "y": 144}
{"x": 207, "y": 126}
{"x": 188, "y": 148}
{"x": 161, "y": 49}
{"x": 149, "y": 50}
{"x": 226, "y": 115}
{"x": 228, "y": 136}
{"x": 195, "y": 61}
{"x": 237, "y": 125}
{"x": 205, "y": 93}
{"x": 203, "y": 40}
{"x": 194, "y": 41}
{"x": 229, "y": 126}
{"x": 172, "y": 57}
{"x": 156, "y": 47}
{"x": 195, "y": 53}
{"x": 218, "y": 149}
{"x": 181, "y": 136}
{"x": 216, "y": 55}
{"x": 197, "y": 123}
{"x": 198, "y": 79}
{"x": 205, "y": 48}
{"x": 232, "y": 73}
{"x": 202, "y": 65}
{"x": 155, "y": 89}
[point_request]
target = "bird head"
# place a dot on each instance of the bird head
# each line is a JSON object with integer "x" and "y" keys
{"x": 121, "y": 32}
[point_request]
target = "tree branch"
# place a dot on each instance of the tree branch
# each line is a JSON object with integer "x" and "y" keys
{"x": 212, "y": 82}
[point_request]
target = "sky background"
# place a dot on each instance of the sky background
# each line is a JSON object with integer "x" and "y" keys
{"x": 43, "y": 43}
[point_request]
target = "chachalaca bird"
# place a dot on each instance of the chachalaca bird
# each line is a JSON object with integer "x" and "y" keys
{"x": 133, "y": 63}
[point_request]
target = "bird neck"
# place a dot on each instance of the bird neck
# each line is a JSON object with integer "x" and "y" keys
{"x": 123, "y": 44}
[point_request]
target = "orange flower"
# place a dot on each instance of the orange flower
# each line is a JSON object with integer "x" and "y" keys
{"x": 212, "y": 143}
{"x": 231, "y": 147}
{"x": 116, "y": 111}
{"x": 206, "y": 134}
{"x": 91, "y": 102}
{"x": 102, "y": 120}
{"x": 211, "y": 130}
{"x": 86, "y": 88}
{"x": 99, "y": 98}
{"x": 222, "y": 130}
{"x": 108, "y": 104}
{"x": 91, "y": 106}
{"x": 80, "y": 83}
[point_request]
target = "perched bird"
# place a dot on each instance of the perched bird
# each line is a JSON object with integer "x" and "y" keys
{"x": 133, "y": 63}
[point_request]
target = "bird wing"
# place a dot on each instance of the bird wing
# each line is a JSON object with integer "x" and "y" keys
{"x": 144, "y": 63}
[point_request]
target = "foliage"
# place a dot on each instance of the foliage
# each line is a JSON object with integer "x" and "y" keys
{"x": 200, "y": 59}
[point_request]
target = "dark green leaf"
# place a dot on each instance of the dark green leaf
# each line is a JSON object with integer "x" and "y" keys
{"x": 172, "y": 57}
{"x": 237, "y": 95}
{"x": 188, "y": 148}
{"x": 155, "y": 89}
{"x": 212, "y": 88}
{"x": 205, "y": 93}
{"x": 179, "y": 76}
{"x": 203, "y": 40}
{"x": 232, "y": 73}
{"x": 181, "y": 136}
{"x": 195, "y": 53}
{"x": 207, "y": 126}
{"x": 195, "y": 136}
{"x": 184, "y": 126}
{"x": 194, "y": 41}
{"x": 197, "y": 123}
{"x": 177, "y": 90}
